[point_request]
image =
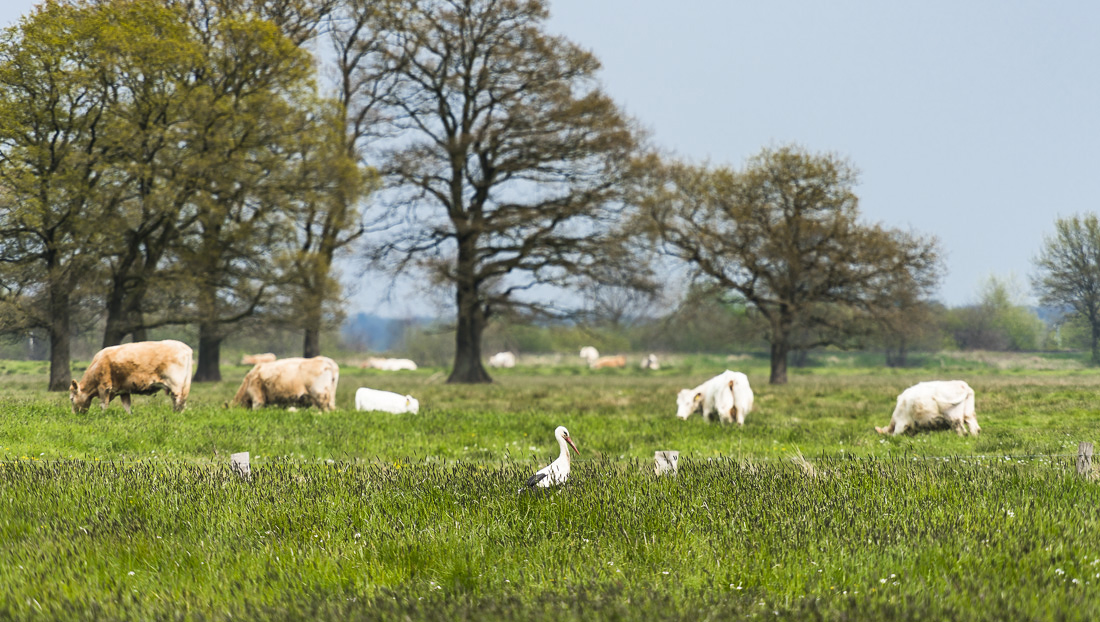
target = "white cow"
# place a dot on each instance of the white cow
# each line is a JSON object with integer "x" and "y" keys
{"x": 651, "y": 362}
{"x": 390, "y": 364}
{"x": 727, "y": 394}
{"x": 502, "y": 359}
{"x": 590, "y": 354}
{"x": 932, "y": 404}
{"x": 385, "y": 401}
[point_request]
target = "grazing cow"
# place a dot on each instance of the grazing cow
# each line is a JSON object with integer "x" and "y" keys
{"x": 385, "y": 401}
{"x": 590, "y": 354}
{"x": 389, "y": 364}
{"x": 141, "y": 368}
{"x": 650, "y": 362}
{"x": 503, "y": 359}
{"x": 254, "y": 359}
{"x": 608, "y": 361}
{"x": 291, "y": 381}
{"x": 934, "y": 404}
{"x": 727, "y": 394}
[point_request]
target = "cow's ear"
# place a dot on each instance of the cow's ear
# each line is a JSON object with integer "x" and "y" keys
{"x": 74, "y": 386}
{"x": 698, "y": 397}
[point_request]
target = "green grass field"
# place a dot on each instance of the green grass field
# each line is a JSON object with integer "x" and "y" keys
{"x": 805, "y": 513}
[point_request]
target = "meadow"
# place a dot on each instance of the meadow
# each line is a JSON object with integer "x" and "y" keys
{"x": 805, "y": 513}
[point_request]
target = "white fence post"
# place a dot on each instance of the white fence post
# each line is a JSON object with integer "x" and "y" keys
{"x": 238, "y": 463}
{"x": 1084, "y": 459}
{"x": 666, "y": 462}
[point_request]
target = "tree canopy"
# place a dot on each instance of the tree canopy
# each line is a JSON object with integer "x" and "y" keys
{"x": 508, "y": 160}
{"x": 785, "y": 235}
{"x": 1068, "y": 271}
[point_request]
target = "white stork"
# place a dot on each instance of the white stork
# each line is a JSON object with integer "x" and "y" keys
{"x": 557, "y": 471}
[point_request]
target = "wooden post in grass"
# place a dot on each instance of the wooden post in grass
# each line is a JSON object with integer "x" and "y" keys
{"x": 238, "y": 463}
{"x": 1084, "y": 459}
{"x": 666, "y": 462}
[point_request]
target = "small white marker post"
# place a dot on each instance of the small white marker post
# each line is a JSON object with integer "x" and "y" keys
{"x": 238, "y": 463}
{"x": 666, "y": 462}
{"x": 1084, "y": 459}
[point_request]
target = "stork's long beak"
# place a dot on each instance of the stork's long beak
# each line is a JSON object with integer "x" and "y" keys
{"x": 570, "y": 441}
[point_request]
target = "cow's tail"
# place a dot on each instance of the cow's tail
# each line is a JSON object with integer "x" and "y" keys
{"x": 185, "y": 389}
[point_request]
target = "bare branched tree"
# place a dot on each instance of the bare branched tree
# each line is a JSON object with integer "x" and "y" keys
{"x": 508, "y": 164}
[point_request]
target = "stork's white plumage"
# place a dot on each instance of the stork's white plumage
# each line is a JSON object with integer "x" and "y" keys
{"x": 557, "y": 472}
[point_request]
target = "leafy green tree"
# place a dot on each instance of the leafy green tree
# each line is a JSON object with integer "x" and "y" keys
{"x": 1068, "y": 272}
{"x": 52, "y": 169}
{"x": 147, "y": 56}
{"x": 999, "y": 321}
{"x": 784, "y": 234}
{"x": 250, "y": 112}
{"x": 508, "y": 160}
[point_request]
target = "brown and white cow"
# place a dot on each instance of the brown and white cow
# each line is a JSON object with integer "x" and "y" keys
{"x": 141, "y": 368}
{"x": 291, "y": 381}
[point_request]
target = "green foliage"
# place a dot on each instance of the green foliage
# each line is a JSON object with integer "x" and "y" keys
{"x": 785, "y": 235}
{"x": 1069, "y": 272}
{"x": 998, "y": 322}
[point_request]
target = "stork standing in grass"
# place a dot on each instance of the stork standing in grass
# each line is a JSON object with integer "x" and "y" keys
{"x": 557, "y": 471}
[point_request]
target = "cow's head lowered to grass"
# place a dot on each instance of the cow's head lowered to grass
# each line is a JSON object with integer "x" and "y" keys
{"x": 80, "y": 399}
{"x": 687, "y": 402}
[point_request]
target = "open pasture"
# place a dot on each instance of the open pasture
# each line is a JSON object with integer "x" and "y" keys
{"x": 804, "y": 513}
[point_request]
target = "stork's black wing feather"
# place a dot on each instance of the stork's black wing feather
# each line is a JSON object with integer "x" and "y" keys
{"x": 535, "y": 479}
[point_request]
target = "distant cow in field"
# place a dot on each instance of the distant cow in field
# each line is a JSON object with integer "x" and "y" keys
{"x": 727, "y": 394}
{"x": 385, "y": 364}
{"x": 502, "y": 359}
{"x": 650, "y": 362}
{"x": 141, "y": 368}
{"x": 291, "y": 382}
{"x": 385, "y": 401}
{"x": 253, "y": 359}
{"x": 589, "y": 354}
{"x": 608, "y": 362}
{"x": 935, "y": 404}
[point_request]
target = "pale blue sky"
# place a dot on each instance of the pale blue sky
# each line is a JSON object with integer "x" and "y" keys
{"x": 975, "y": 121}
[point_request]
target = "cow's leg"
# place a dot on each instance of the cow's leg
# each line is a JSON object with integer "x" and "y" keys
{"x": 972, "y": 423}
{"x": 177, "y": 399}
{"x": 740, "y": 416}
{"x": 125, "y": 399}
{"x": 959, "y": 426}
{"x": 257, "y": 399}
{"x": 104, "y": 398}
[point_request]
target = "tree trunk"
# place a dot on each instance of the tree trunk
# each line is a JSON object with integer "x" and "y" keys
{"x": 210, "y": 347}
{"x": 898, "y": 356}
{"x": 467, "y": 367}
{"x": 311, "y": 339}
{"x": 780, "y": 349}
{"x": 311, "y": 343}
{"x": 471, "y": 323}
{"x": 115, "y": 330}
{"x": 781, "y": 327}
{"x": 60, "y": 372}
